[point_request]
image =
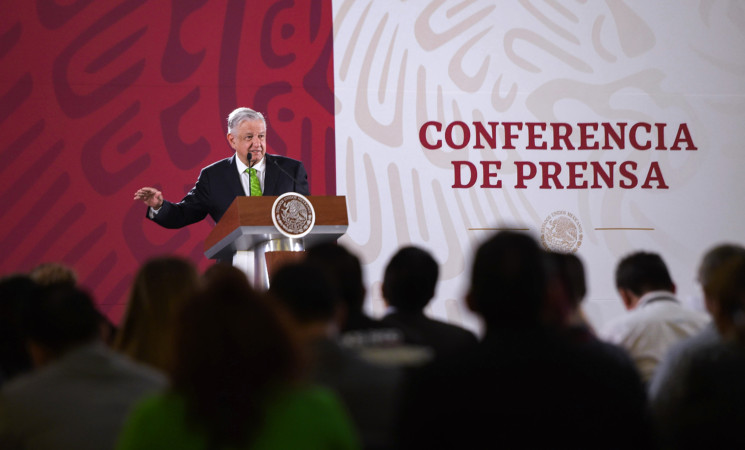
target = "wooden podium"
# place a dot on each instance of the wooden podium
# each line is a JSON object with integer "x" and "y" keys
{"x": 247, "y": 226}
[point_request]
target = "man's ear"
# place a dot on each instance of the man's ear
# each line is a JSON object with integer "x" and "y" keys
{"x": 628, "y": 298}
{"x": 231, "y": 140}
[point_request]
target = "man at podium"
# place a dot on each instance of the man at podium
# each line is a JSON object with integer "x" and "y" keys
{"x": 250, "y": 171}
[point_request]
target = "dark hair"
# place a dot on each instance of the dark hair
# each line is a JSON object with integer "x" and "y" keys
{"x": 15, "y": 292}
{"x": 344, "y": 270}
{"x": 508, "y": 280}
{"x": 410, "y": 279}
{"x": 571, "y": 272}
{"x": 61, "y": 317}
{"x": 713, "y": 260}
{"x": 727, "y": 288}
{"x": 231, "y": 351}
{"x": 642, "y": 272}
{"x": 305, "y": 291}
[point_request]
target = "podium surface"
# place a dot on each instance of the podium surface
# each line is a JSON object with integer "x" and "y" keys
{"x": 247, "y": 224}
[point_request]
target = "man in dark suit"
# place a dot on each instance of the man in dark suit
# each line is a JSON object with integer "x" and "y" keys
{"x": 408, "y": 286}
{"x": 249, "y": 172}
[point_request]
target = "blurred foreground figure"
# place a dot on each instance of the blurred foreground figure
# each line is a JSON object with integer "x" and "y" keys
{"x": 373, "y": 339}
{"x": 665, "y": 379}
{"x": 15, "y": 291}
{"x": 408, "y": 286}
{"x": 525, "y": 384}
{"x": 161, "y": 287}
{"x": 370, "y": 392}
{"x": 235, "y": 381}
{"x": 81, "y": 391}
{"x": 703, "y": 406}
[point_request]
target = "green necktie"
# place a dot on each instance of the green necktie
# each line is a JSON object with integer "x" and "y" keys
{"x": 253, "y": 181}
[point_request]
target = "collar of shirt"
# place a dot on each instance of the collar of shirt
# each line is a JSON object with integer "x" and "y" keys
{"x": 654, "y": 296}
{"x": 260, "y": 166}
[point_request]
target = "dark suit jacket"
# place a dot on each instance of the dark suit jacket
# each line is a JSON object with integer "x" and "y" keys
{"x": 446, "y": 340}
{"x": 526, "y": 388}
{"x": 219, "y": 184}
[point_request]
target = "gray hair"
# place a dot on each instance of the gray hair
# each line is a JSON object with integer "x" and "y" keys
{"x": 241, "y": 114}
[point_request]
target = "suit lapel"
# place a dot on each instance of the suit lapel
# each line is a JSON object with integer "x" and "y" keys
{"x": 233, "y": 179}
{"x": 271, "y": 177}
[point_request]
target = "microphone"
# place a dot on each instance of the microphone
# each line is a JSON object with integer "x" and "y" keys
{"x": 295, "y": 180}
{"x": 248, "y": 157}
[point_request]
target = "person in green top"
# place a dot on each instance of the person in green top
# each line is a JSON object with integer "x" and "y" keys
{"x": 236, "y": 382}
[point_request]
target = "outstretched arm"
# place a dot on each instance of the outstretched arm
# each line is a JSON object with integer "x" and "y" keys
{"x": 192, "y": 208}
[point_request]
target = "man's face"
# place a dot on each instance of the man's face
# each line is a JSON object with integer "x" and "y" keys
{"x": 249, "y": 137}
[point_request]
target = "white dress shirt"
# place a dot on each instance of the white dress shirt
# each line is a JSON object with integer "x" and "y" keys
{"x": 648, "y": 331}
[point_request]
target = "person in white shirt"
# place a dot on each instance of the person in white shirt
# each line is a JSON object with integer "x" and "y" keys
{"x": 656, "y": 319}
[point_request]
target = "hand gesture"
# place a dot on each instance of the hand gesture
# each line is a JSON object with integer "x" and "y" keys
{"x": 150, "y": 196}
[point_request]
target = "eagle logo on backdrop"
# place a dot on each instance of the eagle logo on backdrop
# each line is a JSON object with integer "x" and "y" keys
{"x": 561, "y": 232}
{"x": 293, "y": 215}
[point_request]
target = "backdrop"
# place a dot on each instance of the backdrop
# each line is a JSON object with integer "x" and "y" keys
{"x": 598, "y": 127}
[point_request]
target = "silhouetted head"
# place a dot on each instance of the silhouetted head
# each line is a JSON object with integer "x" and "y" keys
{"x": 712, "y": 262}
{"x": 571, "y": 273}
{"x": 410, "y": 279}
{"x": 231, "y": 352}
{"x": 726, "y": 290}
{"x": 344, "y": 270}
{"x": 15, "y": 292}
{"x": 643, "y": 272}
{"x": 161, "y": 287}
{"x": 61, "y": 317}
{"x": 306, "y": 292}
{"x": 508, "y": 281}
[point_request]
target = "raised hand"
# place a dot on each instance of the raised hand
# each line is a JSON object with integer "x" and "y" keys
{"x": 150, "y": 196}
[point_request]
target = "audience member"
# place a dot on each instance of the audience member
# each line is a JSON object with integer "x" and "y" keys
{"x": 370, "y": 392}
{"x": 161, "y": 287}
{"x": 408, "y": 286}
{"x": 705, "y": 408}
{"x": 567, "y": 289}
{"x": 49, "y": 273}
{"x": 656, "y": 320}
{"x": 566, "y": 292}
{"x": 235, "y": 381}
{"x": 665, "y": 377}
{"x": 524, "y": 384}
{"x": 52, "y": 272}
{"x": 358, "y": 330}
{"x": 81, "y": 391}
{"x": 15, "y": 291}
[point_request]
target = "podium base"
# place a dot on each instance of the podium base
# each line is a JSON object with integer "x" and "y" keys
{"x": 261, "y": 261}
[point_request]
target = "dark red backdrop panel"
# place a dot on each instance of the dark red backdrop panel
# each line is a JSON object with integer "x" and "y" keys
{"x": 100, "y": 98}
